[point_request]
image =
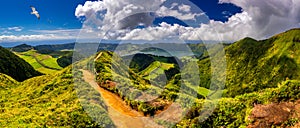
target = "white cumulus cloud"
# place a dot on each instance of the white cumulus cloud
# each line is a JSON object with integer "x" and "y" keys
{"x": 184, "y": 8}
{"x": 268, "y": 17}
{"x": 259, "y": 19}
{"x": 17, "y": 29}
{"x": 116, "y": 15}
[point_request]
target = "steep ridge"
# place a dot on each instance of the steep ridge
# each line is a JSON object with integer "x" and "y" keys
{"x": 259, "y": 73}
{"x": 254, "y": 65}
{"x": 15, "y": 67}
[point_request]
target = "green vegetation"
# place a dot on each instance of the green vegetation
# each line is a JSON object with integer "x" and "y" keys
{"x": 257, "y": 73}
{"x": 65, "y": 60}
{"x": 15, "y": 67}
{"x": 41, "y": 62}
{"x": 254, "y": 65}
{"x": 254, "y": 70}
{"x": 50, "y": 101}
{"x": 150, "y": 89}
{"x": 155, "y": 72}
{"x": 50, "y": 49}
{"x": 234, "y": 112}
{"x": 21, "y": 48}
{"x": 68, "y": 57}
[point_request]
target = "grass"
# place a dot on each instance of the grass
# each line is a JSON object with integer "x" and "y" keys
{"x": 155, "y": 69}
{"x": 47, "y": 64}
{"x": 258, "y": 72}
{"x": 233, "y": 112}
{"x": 50, "y": 101}
{"x": 30, "y": 60}
{"x": 254, "y": 70}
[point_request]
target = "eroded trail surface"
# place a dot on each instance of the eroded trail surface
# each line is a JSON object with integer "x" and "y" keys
{"x": 121, "y": 114}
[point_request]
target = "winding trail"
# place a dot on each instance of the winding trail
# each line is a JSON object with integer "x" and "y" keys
{"x": 121, "y": 114}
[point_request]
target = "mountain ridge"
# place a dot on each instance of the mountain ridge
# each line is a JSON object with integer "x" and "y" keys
{"x": 276, "y": 56}
{"x": 15, "y": 67}
{"x": 259, "y": 72}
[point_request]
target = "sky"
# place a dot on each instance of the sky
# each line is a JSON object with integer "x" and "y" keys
{"x": 81, "y": 20}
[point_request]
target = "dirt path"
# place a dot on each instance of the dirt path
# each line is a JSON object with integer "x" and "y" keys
{"x": 121, "y": 114}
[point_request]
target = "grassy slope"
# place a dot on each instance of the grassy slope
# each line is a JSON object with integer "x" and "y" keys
{"x": 254, "y": 65}
{"x": 7, "y": 81}
{"x": 15, "y": 67}
{"x": 45, "y": 59}
{"x": 130, "y": 85}
{"x": 48, "y": 100}
{"x": 157, "y": 67}
{"x": 234, "y": 112}
{"x": 258, "y": 72}
{"x": 155, "y": 72}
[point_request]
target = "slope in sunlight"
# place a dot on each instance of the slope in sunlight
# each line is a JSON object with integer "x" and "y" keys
{"x": 15, "y": 67}
{"x": 50, "y": 101}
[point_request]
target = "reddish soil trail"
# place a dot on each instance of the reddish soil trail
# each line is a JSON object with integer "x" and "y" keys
{"x": 121, "y": 114}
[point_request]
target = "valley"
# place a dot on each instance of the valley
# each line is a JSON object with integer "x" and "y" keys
{"x": 43, "y": 86}
{"x": 40, "y": 62}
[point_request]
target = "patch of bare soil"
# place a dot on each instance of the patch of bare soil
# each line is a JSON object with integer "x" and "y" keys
{"x": 274, "y": 114}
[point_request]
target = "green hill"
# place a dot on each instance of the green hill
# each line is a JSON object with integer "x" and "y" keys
{"x": 22, "y": 48}
{"x": 237, "y": 112}
{"x": 41, "y": 62}
{"x": 50, "y": 101}
{"x": 254, "y": 65}
{"x": 258, "y": 73}
{"x": 15, "y": 67}
{"x": 48, "y": 49}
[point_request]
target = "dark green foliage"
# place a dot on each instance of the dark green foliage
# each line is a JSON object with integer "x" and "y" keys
{"x": 64, "y": 61}
{"x": 140, "y": 62}
{"x": 47, "y": 49}
{"x": 67, "y": 59}
{"x": 254, "y": 65}
{"x": 130, "y": 85}
{"x": 15, "y": 67}
{"x": 289, "y": 91}
{"x": 22, "y": 48}
{"x": 199, "y": 50}
{"x": 205, "y": 72}
{"x": 258, "y": 72}
{"x": 233, "y": 112}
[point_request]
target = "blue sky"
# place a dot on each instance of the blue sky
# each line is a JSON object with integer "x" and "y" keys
{"x": 216, "y": 11}
{"x": 55, "y": 14}
{"x": 59, "y": 14}
{"x": 226, "y": 16}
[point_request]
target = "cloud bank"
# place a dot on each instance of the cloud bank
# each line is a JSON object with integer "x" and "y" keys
{"x": 258, "y": 19}
{"x": 41, "y": 35}
{"x": 118, "y": 20}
